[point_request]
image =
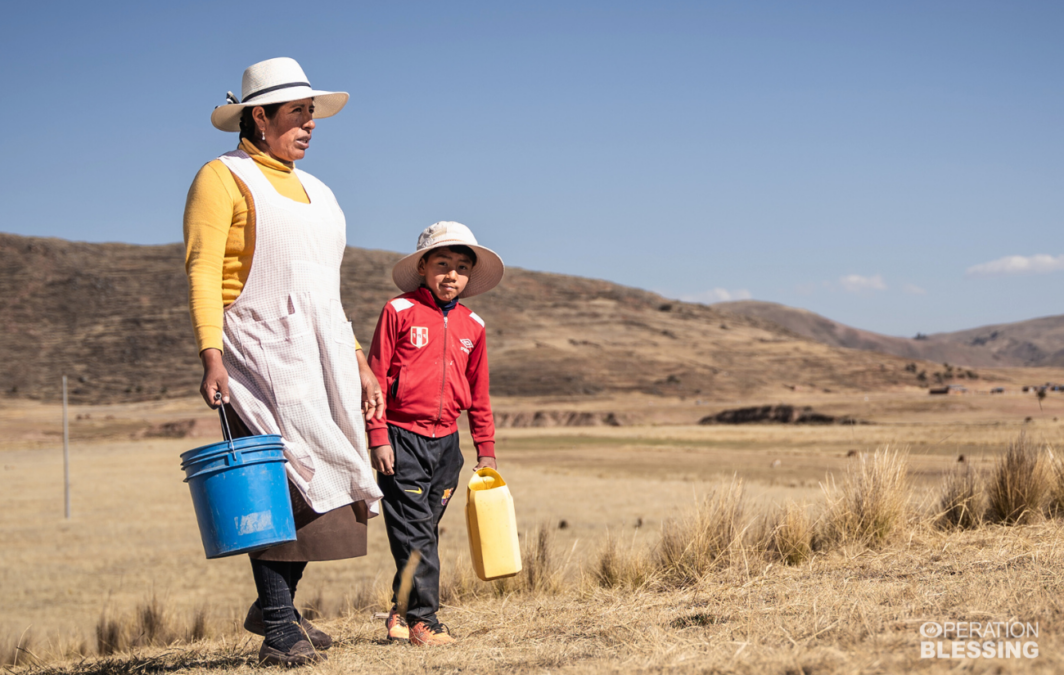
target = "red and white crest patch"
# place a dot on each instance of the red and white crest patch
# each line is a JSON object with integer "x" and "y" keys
{"x": 419, "y": 336}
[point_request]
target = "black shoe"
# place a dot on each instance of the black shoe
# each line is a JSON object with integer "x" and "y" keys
{"x": 253, "y": 624}
{"x": 301, "y": 654}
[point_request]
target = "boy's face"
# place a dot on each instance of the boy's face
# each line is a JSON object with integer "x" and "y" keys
{"x": 445, "y": 273}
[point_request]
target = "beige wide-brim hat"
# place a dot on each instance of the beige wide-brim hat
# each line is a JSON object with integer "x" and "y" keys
{"x": 275, "y": 81}
{"x": 486, "y": 274}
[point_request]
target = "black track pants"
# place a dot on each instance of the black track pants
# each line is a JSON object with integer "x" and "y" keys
{"x": 426, "y": 477}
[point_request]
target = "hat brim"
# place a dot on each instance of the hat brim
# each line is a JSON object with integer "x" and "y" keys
{"x": 326, "y": 104}
{"x": 486, "y": 274}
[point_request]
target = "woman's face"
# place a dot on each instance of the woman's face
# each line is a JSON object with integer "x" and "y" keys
{"x": 288, "y": 133}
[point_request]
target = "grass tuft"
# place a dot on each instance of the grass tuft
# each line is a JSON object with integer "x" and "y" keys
{"x": 790, "y": 534}
{"x": 960, "y": 505}
{"x": 153, "y": 624}
{"x": 707, "y": 540}
{"x": 540, "y": 572}
{"x": 1055, "y": 478}
{"x": 1018, "y": 484}
{"x": 459, "y": 583}
{"x": 622, "y": 569}
{"x": 198, "y": 627}
{"x": 112, "y": 635}
{"x": 368, "y": 595}
{"x": 872, "y": 502}
{"x": 17, "y": 650}
{"x": 317, "y": 607}
{"x": 149, "y": 625}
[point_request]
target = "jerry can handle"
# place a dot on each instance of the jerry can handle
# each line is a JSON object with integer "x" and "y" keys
{"x": 485, "y": 479}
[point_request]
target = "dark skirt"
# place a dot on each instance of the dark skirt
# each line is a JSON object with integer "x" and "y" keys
{"x": 333, "y": 535}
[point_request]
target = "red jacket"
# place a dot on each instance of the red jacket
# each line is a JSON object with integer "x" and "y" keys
{"x": 430, "y": 368}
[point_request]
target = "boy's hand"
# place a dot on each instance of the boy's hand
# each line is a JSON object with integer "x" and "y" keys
{"x": 372, "y": 398}
{"x": 486, "y": 463}
{"x": 383, "y": 459}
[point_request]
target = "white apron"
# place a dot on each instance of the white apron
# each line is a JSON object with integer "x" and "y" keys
{"x": 289, "y": 348}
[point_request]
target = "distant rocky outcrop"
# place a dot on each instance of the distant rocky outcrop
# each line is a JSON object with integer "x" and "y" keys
{"x": 558, "y": 418}
{"x": 775, "y": 414}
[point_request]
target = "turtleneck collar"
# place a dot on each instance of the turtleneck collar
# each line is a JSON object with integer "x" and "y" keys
{"x": 263, "y": 158}
{"x": 427, "y": 297}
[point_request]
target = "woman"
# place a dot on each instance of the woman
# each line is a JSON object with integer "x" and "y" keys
{"x": 264, "y": 242}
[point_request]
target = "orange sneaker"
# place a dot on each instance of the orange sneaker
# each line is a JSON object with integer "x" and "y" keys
{"x": 398, "y": 631}
{"x": 425, "y": 635}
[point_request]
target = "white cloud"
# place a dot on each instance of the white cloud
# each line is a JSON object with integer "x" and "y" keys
{"x": 855, "y": 283}
{"x": 1018, "y": 264}
{"x": 717, "y": 295}
{"x": 913, "y": 289}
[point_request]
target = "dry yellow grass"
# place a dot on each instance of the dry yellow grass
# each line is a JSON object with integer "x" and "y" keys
{"x": 961, "y": 503}
{"x": 708, "y": 537}
{"x": 789, "y": 535}
{"x": 871, "y": 503}
{"x": 853, "y": 610}
{"x": 1018, "y": 483}
{"x": 625, "y": 585}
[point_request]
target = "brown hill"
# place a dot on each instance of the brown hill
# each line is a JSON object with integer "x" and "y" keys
{"x": 1035, "y": 342}
{"x": 1038, "y": 342}
{"x": 114, "y": 318}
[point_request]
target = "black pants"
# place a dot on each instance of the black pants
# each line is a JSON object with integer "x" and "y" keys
{"x": 415, "y": 497}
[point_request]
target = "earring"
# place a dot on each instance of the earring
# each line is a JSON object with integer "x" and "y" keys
{"x": 264, "y": 135}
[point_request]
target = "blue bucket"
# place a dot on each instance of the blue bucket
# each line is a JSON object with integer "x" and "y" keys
{"x": 240, "y": 492}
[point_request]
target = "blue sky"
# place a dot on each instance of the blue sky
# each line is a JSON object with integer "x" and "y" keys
{"x": 875, "y": 163}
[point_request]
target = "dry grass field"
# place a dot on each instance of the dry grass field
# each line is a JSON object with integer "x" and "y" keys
{"x": 663, "y": 546}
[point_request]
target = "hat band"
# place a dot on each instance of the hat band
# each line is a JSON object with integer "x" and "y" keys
{"x": 267, "y": 90}
{"x": 447, "y": 242}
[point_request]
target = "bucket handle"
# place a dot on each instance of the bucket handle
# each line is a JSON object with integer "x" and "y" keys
{"x": 228, "y": 435}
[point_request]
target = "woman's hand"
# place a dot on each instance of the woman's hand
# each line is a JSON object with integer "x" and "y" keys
{"x": 382, "y": 458}
{"x": 215, "y": 377}
{"x": 486, "y": 463}
{"x": 372, "y": 398}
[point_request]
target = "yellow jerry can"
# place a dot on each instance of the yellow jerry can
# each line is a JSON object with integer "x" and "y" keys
{"x": 492, "y": 525}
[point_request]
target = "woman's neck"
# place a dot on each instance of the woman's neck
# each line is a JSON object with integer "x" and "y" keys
{"x": 263, "y": 157}
{"x": 264, "y": 148}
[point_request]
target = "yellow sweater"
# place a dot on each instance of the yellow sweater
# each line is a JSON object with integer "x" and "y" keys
{"x": 220, "y": 237}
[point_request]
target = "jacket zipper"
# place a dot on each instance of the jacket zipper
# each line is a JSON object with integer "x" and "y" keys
{"x": 443, "y": 382}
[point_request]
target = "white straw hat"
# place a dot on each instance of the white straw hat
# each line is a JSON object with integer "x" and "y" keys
{"x": 486, "y": 274}
{"x": 275, "y": 81}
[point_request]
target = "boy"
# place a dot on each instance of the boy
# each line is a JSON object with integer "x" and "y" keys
{"x": 430, "y": 355}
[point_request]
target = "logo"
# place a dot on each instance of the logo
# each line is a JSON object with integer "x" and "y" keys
{"x": 446, "y": 496}
{"x": 1009, "y": 639}
{"x": 417, "y": 491}
{"x": 419, "y": 336}
{"x": 467, "y": 345}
